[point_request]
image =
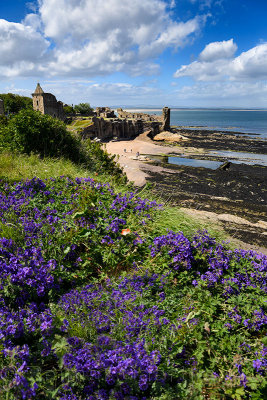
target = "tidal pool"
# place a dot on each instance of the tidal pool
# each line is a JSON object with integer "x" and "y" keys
{"x": 221, "y": 157}
{"x": 191, "y": 162}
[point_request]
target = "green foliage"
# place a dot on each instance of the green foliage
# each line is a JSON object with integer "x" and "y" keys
{"x": 84, "y": 109}
{"x": 205, "y": 320}
{"x": 104, "y": 163}
{"x": 68, "y": 110}
{"x": 30, "y": 131}
{"x": 3, "y": 120}
{"x": 13, "y": 103}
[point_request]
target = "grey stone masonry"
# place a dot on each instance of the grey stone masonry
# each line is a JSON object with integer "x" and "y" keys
{"x": 163, "y": 120}
{"x": 166, "y": 119}
{"x": 104, "y": 112}
{"x": 47, "y": 103}
{"x": 2, "y": 110}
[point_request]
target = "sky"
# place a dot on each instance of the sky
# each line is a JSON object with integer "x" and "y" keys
{"x": 146, "y": 53}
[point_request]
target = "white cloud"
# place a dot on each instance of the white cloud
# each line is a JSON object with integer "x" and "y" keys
{"x": 220, "y": 94}
{"x": 218, "y": 50}
{"x": 175, "y": 35}
{"x": 96, "y": 37}
{"x": 109, "y": 93}
{"x": 93, "y": 37}
{"x": 217, "y": 62}
{"x": 251, "y": 64}
{"x": 19, "y": 45}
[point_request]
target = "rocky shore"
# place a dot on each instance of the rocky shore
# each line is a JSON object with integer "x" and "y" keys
{"x": 234, "y": 196}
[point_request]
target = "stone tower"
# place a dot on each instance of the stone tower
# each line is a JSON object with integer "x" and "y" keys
{"x": 47, "y": 103}
{"x": 2, "y": 110}
{"x": 166, "y": 116}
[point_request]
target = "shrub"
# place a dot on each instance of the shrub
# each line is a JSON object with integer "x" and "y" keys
{"x": 3, "y": 120}
{"x": 30, "y": 131}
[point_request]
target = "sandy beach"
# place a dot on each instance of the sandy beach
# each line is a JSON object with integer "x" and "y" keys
{"x": 132, "y": 164}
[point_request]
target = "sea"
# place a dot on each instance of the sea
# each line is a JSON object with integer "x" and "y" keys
{"x": 245, "y": 121}
{"x": 251, "y": 122}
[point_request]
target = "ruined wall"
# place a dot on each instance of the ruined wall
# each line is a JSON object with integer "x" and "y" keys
{"x": 2, "y": 110}
{"x": 142, "y": 116}
{"x": 126, "y": 127}
{"x": 108, "y": 129}
{"x": 104, "y": 112}
{"x": 52, "y": 106}
{"x": 163, "y": 120}
{"x": 38, "y": 104}
{"x": 166, "y": 119}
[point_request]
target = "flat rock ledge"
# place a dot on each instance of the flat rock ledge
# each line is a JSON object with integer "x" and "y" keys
{"x": 169, "y": 137}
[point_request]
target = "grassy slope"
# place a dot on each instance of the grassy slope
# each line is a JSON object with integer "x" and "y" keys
{"x": 18, "y": 167}
{"x": 202, "y": 313}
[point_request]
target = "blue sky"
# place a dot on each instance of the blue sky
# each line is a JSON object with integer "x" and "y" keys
{"x": 184, "y": 53}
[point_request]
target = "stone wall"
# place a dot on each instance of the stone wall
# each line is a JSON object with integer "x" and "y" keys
{"x": 104, "y": 112}
{"x": 53, "y": 107}
{"x": 166, "y": 119}
{"x": 47, "y": 103}
{"x": 135, "y": 116}
{"x": 163, "y": 120}
{"x": 2, "y": 110}
{"x": 113, "y": 128}
{"x": 127, "y": 125}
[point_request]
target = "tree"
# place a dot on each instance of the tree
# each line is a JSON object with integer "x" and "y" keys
{"x": 84, "y": 109}
{"x": 13, "y": 103}
{"x": 68, "y": 110}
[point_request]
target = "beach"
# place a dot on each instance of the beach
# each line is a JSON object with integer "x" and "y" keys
{"x": 134, "y": 165}
{"x": 234, "y": 198}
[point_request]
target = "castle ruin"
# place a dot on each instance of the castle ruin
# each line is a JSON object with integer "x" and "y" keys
{"x": 104, "y": 112}
{"x": 2, "y": 110}
{"x": 163, "y": 120}
{"x": 47, "y": 103}
{"x": 105, "y": 125}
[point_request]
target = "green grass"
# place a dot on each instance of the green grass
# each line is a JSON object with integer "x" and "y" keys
{"x": 19, "y": 166}
{"x": 77, "y": 124}
{"x": 175, "y": 219}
